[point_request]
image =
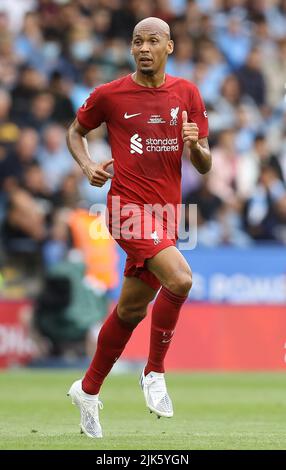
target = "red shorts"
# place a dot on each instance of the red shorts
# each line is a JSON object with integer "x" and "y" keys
{"x": 142, "y": 245}
{"x": 138, "y": 251}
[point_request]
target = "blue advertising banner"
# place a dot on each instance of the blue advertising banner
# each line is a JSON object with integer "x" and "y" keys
{"x": 235, "y": 275}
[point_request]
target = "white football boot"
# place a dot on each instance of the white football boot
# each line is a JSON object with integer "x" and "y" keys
{"x": 156, "y": 395}
{"x": 88, "y": 407}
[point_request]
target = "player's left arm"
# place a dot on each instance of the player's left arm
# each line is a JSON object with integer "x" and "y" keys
{"x": 200, "y": 154}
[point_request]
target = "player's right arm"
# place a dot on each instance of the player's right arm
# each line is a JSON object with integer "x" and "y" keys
{"x": 77, "y": 144}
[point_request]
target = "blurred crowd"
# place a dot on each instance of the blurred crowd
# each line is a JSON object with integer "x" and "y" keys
{"x": 54, "y": 52}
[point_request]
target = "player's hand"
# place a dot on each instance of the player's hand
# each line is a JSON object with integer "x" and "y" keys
{"x": 190, "y": 132}
{"x": 96, "y": 172}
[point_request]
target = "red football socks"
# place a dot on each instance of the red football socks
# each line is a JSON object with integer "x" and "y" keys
{"x": 165, "y": 315}
{"x": 111, "y": 342}
{"x": 115, "y": 334}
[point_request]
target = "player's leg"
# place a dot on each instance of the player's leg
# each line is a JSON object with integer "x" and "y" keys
{"x": 112, "y": 339}
{"x": 171, "y": 269}
{"x": 117, "y": 330}
{"x": 134, "y": 299}
{"x": 175, "y": 275}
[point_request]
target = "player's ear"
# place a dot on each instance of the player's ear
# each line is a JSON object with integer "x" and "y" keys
{"x": 170, "y": 46}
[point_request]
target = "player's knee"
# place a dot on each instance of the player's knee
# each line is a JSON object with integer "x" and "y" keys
{"x": 131, "y": 315}
{"x": 181, "y": 284}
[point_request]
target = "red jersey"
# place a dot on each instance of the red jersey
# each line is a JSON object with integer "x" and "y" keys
{"x": 144, "y": 127}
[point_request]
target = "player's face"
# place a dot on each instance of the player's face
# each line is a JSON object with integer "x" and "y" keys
{"x": 150, "y": 51}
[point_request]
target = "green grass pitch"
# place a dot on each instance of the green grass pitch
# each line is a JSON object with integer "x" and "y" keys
{"x": 212, "y": 411}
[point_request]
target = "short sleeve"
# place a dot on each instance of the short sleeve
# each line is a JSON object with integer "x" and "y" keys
{"x": 198, "y": 114}
{"x": 91, "y": 114}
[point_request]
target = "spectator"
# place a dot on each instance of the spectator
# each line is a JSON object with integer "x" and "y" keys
{"x": 54, "y": 158}
{"x": 262, "y": 38}
{"x": 276, "y": 17}
{"x": 234, "y": 40}
{"x": 92, "y": 76}
{"x": 223, "y": 113}
{"x": 215, "y": 71}
{"x": 16, "y": 12}
{"x": 248, "y": 123}
{"x": 29, "y": 43}
{"x": 191, "y": 179}
{"x": 222, "y": 178}
{"x": 181, "y": 63}
{"x": 252, "y": 79}
{"x": 68, "y": 195}
{"x": 274, "y": 71}
{"x": 9, "y": 131}
{"x": 9, "y": 61}
{"x": 18, "y": 158}
{"x": 60, "y": 88}
{"x": 81, "y": 43}
{"x": 24, "y": 226}
{"x": 41, "y": 111}
{"x": 29, "y": 84}
{"x": 249, "y": 165}
{"x": 266, "y": 209}
{"x": 35, "y": 184}
{"x": 101, "y": 21}
{"x": 208, "y": 204}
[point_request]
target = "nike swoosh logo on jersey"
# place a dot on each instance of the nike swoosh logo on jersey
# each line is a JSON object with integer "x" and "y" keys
{"x": 128, "y": 116}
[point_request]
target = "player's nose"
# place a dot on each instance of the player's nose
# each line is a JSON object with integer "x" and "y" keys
{"x": 144, "y": 47}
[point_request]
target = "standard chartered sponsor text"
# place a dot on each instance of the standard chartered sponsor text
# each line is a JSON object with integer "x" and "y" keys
{"x": 162, "y": 145}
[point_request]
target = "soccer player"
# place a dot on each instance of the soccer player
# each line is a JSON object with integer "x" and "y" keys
{"x": 150, "y": 116}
